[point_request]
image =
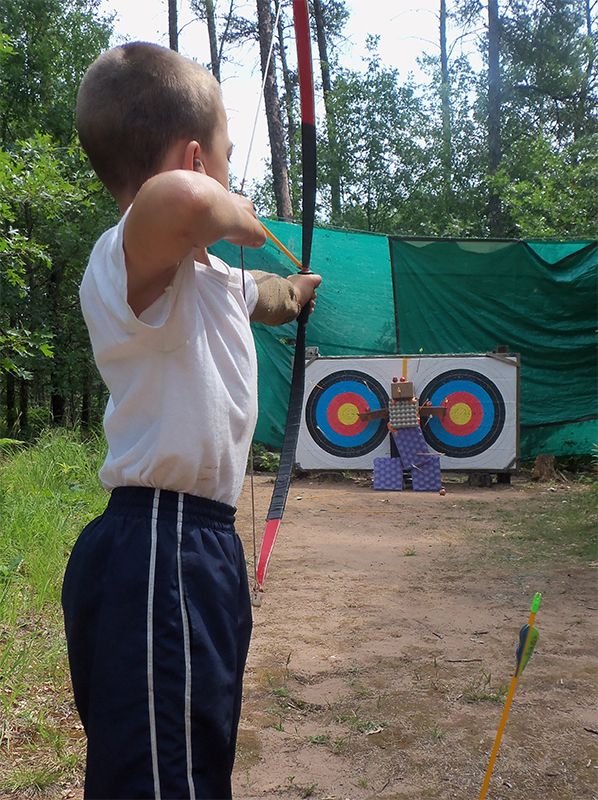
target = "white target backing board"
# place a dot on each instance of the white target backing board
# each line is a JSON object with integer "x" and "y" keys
{"x": 479, "y": 429}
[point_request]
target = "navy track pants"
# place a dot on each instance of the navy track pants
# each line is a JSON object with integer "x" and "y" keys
{"x": 158, "y": 622}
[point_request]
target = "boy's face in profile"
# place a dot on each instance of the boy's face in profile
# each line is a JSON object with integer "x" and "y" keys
{"x": 215, "y": 159}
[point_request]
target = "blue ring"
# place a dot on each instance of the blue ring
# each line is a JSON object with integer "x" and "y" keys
{"x": 493, "y": 413}
{"x": 438, "y": 429}
{"x": 323, "y": 404}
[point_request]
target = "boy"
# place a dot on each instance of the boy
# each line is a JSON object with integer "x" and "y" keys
{"x": 155, "y": 594}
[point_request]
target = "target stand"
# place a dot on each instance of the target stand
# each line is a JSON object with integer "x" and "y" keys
{"x": 478, "y": 431}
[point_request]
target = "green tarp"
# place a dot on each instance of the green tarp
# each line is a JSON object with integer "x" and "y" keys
{"x": 537, "y": 299}
{"x": 394, "y": 295}
{"x": 354, "y": 314}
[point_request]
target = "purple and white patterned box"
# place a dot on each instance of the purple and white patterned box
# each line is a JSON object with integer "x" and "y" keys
{"x": 388, "y": 474}
{"x": 426, "y": 476}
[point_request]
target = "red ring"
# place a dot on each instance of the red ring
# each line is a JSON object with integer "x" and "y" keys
{"x": 334, "y": 407}
{"x": 477, "y": 414}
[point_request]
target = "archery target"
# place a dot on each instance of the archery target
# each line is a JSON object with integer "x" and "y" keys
{"x": 474, "y": 417}
{"x": 332, "y": 414}
{"x": 478, "y": 432}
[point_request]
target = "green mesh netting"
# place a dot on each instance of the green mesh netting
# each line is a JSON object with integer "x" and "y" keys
{"x": 538, "y": 299}
{"x": 384, "y": 296}
{"x": 354, "y": 315}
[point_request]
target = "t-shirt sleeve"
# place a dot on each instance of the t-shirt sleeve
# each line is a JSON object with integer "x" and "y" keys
{"x": 110, "y": 319}
{"x": 249, "y": 288}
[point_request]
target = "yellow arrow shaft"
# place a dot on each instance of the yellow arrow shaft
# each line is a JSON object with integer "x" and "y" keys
{"x": 505, "y": 713}
{"x": 281, "y": 247}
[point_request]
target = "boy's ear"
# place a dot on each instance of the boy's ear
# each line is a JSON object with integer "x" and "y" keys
{"x": 192, "y": 157}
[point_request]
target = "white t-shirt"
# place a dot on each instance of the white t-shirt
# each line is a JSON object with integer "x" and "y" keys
{"x": 182, "y": 377}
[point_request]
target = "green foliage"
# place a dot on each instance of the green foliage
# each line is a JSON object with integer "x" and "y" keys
{"x": 551, "y": 193}
{"x": 51, "y": 207}
{"x": 449, "y": 200}
{"x": 45, "y": 237}
{"x": 377, "y": 125}
{"x": 6, "y": 49}
{"x": 20, "y": 347}
{"x": 392, "y": 151}
{"x": 53, "y": 42}
{"x": 264, "y": 459}
{"x": 547, "y": 57}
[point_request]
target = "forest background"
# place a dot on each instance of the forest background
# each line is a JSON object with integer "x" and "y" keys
{"x": 497, "y": 140}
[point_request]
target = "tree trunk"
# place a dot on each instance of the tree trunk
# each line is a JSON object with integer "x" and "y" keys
{"x": 58, "y": 408}
{"x": 11, "y": 405}
{"x": 213, "y": 37}
{"x": 86, "y": 401}
{"x": 100, "y": 400}
{"x": 333, "y": 166}
{"x": 57, "y": 399}
{"x": 289, "y": 97}
{"x": 280, "y": 174}
{"x": 23, "y": 406}
{"x": 544, "y": 469}
{"x": 495, "y": 216}
{"x": 173, "y": 26}
{"x": 445, "y": 103}
{"x": 584, "y": 109}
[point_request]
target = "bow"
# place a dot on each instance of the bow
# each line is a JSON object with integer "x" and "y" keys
{"x": 308, "y": 160}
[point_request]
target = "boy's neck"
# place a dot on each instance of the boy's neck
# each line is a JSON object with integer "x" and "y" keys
{"x": 201, "y": 254}
{"x": 123, "y": 202}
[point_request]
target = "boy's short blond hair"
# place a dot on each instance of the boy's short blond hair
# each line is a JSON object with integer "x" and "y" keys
{"x": 137, "y": 100}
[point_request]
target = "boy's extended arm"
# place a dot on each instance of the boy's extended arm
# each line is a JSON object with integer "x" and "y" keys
{"x": 173, "y": 213}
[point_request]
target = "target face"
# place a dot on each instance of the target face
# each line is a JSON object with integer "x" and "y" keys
{"x": 332, "y": 413}
{"x": 475, "y": 413}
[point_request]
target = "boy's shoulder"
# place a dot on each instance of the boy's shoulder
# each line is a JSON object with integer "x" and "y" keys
{"x": 106, "y": 267}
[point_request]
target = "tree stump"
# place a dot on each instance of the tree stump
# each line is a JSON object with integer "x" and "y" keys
{"x": 479, "y": 480}
{"x": 544, "y": 469}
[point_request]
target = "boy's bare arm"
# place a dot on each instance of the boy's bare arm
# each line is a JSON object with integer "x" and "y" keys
{"x": 173, "y": 213}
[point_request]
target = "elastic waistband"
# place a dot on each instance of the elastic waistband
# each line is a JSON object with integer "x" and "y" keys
{"x": 144, "y": 500}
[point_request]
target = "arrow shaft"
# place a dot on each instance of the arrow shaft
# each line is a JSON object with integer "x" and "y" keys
{"x": 281, "y": 246}
{"x": 505, "y": 713}
{"x": 498, "y": 738}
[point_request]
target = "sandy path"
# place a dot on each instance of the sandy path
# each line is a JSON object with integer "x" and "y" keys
{"x": 389, "y": 623}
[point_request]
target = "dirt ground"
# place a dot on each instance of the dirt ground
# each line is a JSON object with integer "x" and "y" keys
{"x": 386, "y": 640}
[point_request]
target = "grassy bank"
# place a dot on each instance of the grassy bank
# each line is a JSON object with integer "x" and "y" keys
{"x": 47, "y": 493}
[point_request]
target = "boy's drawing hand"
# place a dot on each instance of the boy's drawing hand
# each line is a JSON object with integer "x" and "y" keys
{"x": 305, "y": 288}
{"x": 250, "y": 232}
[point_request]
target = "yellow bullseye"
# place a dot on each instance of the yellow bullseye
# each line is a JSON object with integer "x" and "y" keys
{"x": 348, "y": 414}
{"x": 460, "y": 414}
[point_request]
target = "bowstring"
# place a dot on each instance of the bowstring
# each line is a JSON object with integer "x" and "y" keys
{"x": 245, "y": 170}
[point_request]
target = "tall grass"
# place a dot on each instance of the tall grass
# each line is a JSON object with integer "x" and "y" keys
{"x": 47, "y": 494}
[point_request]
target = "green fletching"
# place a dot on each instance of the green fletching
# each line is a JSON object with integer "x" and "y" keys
{"x": 524, "y": 656}
{"x": 536, "y": 602}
